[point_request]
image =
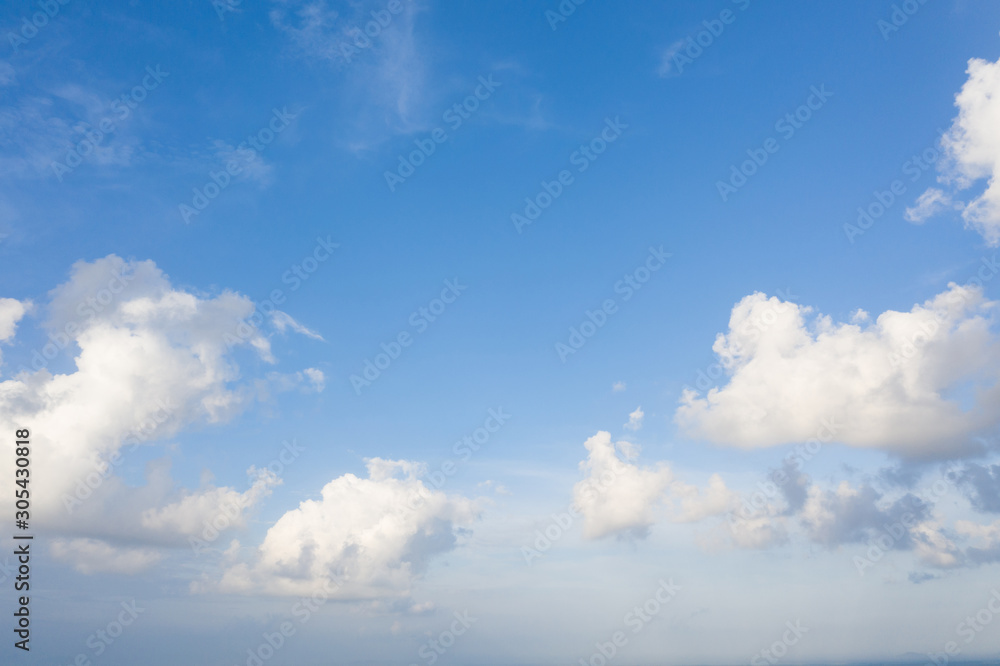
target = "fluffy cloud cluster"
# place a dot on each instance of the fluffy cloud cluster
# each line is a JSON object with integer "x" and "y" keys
{"x": 363, "y": 538}
{"x": 972, "y": 154}
{"x": 150, "y": 360}
{"x": 620, "y": 498}
{"x": 889, "y": 383}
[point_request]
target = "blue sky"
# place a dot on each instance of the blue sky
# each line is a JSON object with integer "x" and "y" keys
{"x": 877, "y": 328}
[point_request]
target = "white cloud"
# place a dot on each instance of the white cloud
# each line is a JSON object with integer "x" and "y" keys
{"x": 151, "y": 360}
{"x": 972, "y": 148}
{"x": 934, "y": 548}
{"x": 364, "y": 538}
{"x": 618, "y": 386}
{"x": 697, "y": 504}
{"x": 930, "y": 203}
{"x": 90, "y": 556}
{"x": 283, "y": 321}
{"x": 918, "y": 383}
{"x": 635, "y": 419}
{"x": 617, "y": 498}
{"x": 11, "y": 311}
{"x": 316, "y": 378}
{"x": 620, "y": 498}
{"x": 189, "y": 514}
{"x": 310, "y": 380}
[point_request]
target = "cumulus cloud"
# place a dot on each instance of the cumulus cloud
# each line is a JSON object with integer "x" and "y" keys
{"x": 363, "y": 538}
{"x": 635, "y": 419}
{"x": 620, "y": 498}
{"x": 889, "y": 384}
{"x": 972, "y": 152}
{"x": 151, "y": 360}
{"x": 90, "y": 556}
{"x": 617, "y": 498}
